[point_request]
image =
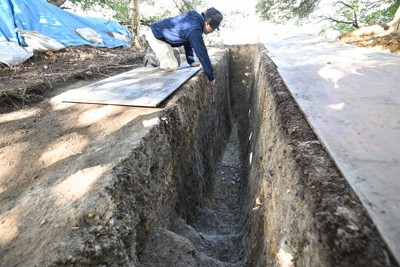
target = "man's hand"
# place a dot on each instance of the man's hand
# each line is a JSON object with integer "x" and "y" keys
{"x": 211, "y": 84}
{"x": 195, "y": 64}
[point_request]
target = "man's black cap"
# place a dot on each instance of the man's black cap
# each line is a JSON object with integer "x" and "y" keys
{"x": 215, "y": 17}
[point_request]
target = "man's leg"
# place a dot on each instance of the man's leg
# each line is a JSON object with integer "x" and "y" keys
{"x": 164, "y": 52}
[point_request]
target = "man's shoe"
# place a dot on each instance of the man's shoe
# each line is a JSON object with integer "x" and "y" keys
{"x": 151, "y": 58}
{"x": 177, "y": 55}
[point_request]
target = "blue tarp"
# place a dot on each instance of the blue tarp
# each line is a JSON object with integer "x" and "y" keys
{"x": 54, "y": 22}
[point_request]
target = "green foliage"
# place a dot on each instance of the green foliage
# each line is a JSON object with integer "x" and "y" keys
{"x": 87, "y": 4}
{"x": 269, "y": 10}
{"x": 388, "y": 13}
{"x": 344, "y": 13}
{"x": 149, "y": 10}
{"x": 341, "y": 27}
{"x": 362, "y": 13}
{"x": 120, "y": 7}
{"x": 185, "y": 6}
{"x": 157, "y": 10}
{"x": 280, "y": 11}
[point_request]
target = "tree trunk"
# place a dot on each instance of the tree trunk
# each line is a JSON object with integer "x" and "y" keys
{"x": 135, "y": 16}
{"x": 134, "y": 13}
{"x": 395, "y": 24}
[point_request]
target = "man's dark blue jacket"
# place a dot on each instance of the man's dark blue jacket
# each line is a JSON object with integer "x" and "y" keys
{"x": 186, "y": 30}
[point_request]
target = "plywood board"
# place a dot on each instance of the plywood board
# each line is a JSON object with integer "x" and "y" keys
{"x": 144, "y": 86}
{"x": 351, "y": 98}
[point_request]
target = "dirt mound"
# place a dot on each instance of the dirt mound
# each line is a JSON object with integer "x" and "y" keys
{"x": 375, "y": 36}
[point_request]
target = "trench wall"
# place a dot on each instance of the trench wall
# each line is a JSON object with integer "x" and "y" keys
{"x": 158, "y": 175}
{"x": 153, "y": 176}
{"x": 300, "y": 209}
{"x": 276, "y": 211}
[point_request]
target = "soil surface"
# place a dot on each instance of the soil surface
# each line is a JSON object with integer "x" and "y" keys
{"x": 40, "y": 76}
{"x": 374, "y": 36}
{"x": 37, "y": 77}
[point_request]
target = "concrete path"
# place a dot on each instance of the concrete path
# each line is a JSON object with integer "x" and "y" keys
{"x": 351, "y": 98}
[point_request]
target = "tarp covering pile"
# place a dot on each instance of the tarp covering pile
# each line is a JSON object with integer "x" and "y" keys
{"x": 28, "y": 26}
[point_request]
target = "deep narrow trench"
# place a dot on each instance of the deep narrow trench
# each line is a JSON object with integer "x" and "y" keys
{"x": 264, "y": 194}
{"x": 210, "y": 226}
{"x": 215, "y": 236}
{"x": 241, "y": 184}
{"x": 223, "y": 222}
{"x": 219, "y": 223}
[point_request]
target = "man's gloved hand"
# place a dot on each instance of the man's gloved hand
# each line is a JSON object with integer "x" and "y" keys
{"x": 195, "y": 64}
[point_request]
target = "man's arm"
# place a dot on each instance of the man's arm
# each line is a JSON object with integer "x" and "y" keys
{"x": 189, "y": 53}
{"x": 196, "y": 41}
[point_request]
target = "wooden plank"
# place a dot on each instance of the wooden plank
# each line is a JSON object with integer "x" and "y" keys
{"x": 144, "y": 87}
{"x": 351, "y": 98}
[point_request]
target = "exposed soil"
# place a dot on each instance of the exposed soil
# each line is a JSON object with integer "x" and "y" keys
{"x": 81, "y": 185}
{"x": 296, "y": 197}
{"x": 373, "y": 37}
{"x": 42, "y": 74}
{"x": 39, "y": 76}
{"x": 213, "y": 237}
{"x": 216, "y": 232}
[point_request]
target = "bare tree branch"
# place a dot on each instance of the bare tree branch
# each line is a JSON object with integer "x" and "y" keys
{"x": 337, "y": 20}
{"x": 346, "y": 5}
{"x": 183, "y": 6}
{"x": 355, "y": 17}
{"x": 179, "y": 7}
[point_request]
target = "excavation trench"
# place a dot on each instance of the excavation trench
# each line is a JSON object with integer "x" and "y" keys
{"x": 265, "y": 192}
{"x": 254, "y": 186}
{"x": 235, "y": 178}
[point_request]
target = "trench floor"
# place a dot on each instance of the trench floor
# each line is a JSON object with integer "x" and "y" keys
{"x": 219, "y": 223}
{"x": 214, "y": 237}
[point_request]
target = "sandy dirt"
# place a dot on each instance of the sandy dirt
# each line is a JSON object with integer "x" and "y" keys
{"x": 374, "y": 37}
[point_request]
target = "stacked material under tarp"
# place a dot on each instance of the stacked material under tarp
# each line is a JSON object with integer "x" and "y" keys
{"x": 28, "y": 26}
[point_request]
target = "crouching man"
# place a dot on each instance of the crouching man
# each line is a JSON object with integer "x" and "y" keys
{"x": 184, "y": 30}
